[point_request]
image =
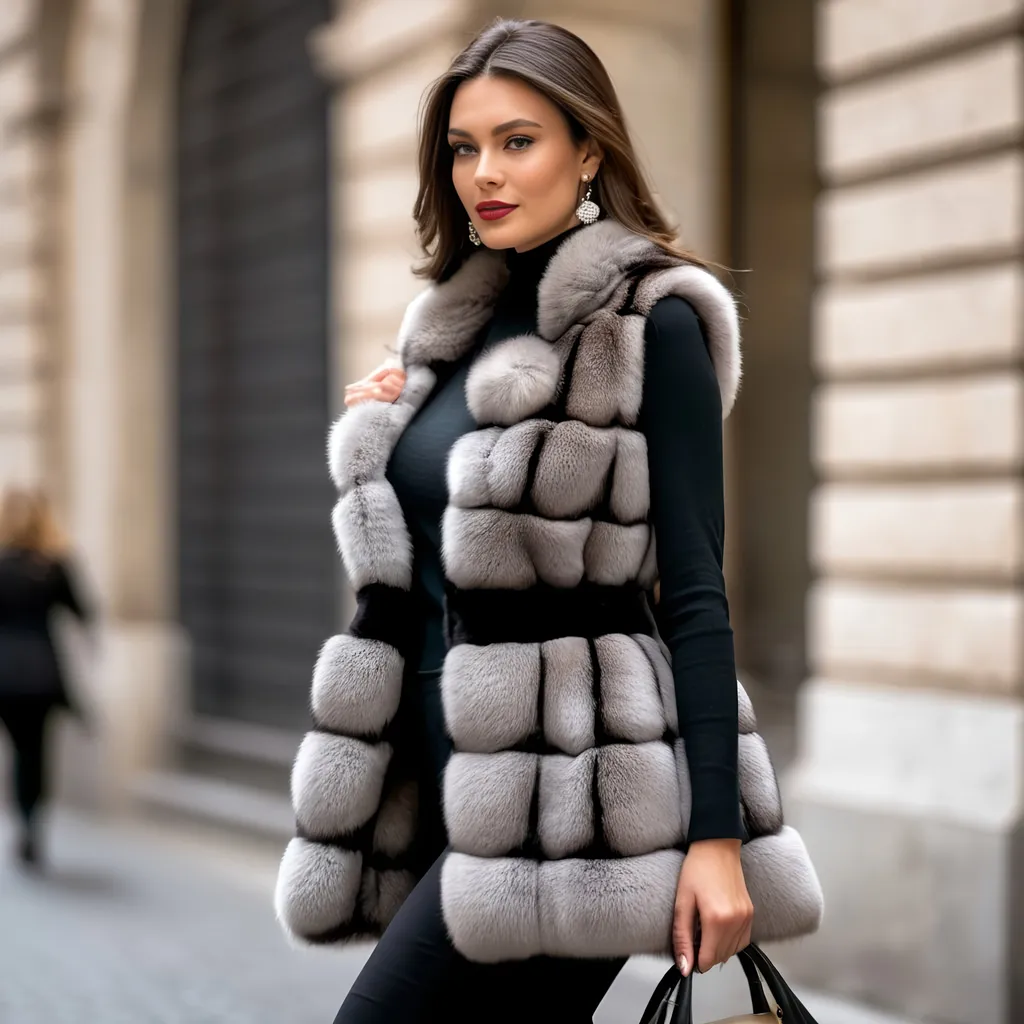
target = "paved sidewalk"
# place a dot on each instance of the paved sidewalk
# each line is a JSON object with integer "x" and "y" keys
{"x": 139, "y": 923}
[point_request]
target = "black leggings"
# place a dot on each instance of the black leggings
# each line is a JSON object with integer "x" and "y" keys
{"x": 415, "y": 975}
{"x": 25, "y": 719}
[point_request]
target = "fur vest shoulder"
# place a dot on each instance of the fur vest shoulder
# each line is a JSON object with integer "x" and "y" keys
{"x": 567, "y": 798}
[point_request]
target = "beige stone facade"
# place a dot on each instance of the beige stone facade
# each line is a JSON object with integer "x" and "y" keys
{"x": 860, "y": 162}
{"x": 909, "y": 783}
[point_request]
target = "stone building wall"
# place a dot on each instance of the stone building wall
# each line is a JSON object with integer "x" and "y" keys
{"x": 912, "y": 727}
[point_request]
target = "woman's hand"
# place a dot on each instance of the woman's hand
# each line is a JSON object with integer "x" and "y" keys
{"x": 711, "y": 885}
{"x": 384, "y": 384}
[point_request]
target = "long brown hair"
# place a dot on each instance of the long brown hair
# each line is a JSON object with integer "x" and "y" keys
{"x": 27, "y": 523}
{"x": 563, "y": 68}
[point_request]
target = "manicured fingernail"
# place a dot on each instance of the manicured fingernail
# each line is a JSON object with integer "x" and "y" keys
{"x": 684, "y": 966}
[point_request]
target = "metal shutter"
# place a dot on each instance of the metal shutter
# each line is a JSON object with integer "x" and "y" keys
{"x": 257, "y": 566}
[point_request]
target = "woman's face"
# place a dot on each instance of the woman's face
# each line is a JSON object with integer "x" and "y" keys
{"x": 514, "y": 152}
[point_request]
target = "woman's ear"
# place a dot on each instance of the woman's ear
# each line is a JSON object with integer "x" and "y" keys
{"x": 593, "y": 155}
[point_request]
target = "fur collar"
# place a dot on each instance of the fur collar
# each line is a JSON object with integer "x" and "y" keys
{"x": 583, "y": 276}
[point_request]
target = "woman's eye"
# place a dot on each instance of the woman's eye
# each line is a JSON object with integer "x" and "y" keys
{"x": 516, "y": 143}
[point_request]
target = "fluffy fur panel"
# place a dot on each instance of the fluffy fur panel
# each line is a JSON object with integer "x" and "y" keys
{"x": 565, "y": 813}
{"x": 574, "y": 466}
{"x": 492, "y": 466}
{"x": 360, "y": 441}
{"x": 759, "y": 787}
{"x": 490, "y": 695}
{"x": 607, "y": 379}
{"x": 632, "y": 702}
{"x": 513, "y": 380}
{"x": 630, "y": 496}
{"x": 326, "y": 893}
{"x": 717, "y": 310}
{"x": 488, "y": 800}
{"x": 496, "y": 549}
{"x": 661, "y": 669}
{"x": 372, "y": 536}
{"x": 317, "y": 889}
{"x": 640, "y": 800}
{"x": 468, "y": 473}
{"x": 569, "y": 709}
{"x": 337, "y": 784}
{"x": 499, "y": 909}
{"x": 441, "y": 323}
{"x": 615, "y": 555}
{"x": 585, "y": 273}
{"x": 783, "y": 885}
{"x": 357, "y": 684}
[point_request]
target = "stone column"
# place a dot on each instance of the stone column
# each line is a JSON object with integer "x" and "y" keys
{"x": 910, "y": 783}
{"x": 117, "y": 249}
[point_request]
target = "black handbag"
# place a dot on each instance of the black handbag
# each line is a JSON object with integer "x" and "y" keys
{"x": 672, "y": 1002}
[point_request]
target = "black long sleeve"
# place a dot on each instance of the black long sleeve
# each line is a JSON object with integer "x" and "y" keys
{"x": 681, "y": 418}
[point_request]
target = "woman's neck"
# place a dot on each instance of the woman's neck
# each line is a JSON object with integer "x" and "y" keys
{"x": 526, "y": 268}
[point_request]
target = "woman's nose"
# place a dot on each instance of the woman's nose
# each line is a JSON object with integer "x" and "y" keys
{"x": 488, "y": 171}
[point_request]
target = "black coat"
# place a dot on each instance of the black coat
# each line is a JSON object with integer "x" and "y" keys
{"x": 31, "y": 588}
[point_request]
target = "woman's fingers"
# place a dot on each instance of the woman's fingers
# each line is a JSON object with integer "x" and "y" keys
{"x": 370, "y": 393}
{"x": 712, "y": 943}
{"x": 723, "y": 935}
{"x": 383, "y": 385}
{"x": 682, "y": 930}
{"x": 379, "y": 376}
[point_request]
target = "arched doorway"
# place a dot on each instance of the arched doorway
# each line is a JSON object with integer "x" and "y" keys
{"x": 257, "y": 580}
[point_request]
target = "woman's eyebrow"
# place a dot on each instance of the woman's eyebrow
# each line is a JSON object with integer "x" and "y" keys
{"x": 519, "y": 122}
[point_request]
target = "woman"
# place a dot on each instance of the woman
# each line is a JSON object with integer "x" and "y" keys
{"x": 512, "y": 751}
{"x": 34, "y": 580}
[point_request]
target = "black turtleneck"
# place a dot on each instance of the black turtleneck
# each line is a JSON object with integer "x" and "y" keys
{"x": 681, "y": 417}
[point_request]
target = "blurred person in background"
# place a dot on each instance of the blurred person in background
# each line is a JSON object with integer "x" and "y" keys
{"x": 495, "y": 779}
{"x": 35, "y": 580}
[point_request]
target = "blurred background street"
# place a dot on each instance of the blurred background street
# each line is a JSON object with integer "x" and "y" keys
{"x": 206, "y": 232}
{"x": 142, "y": 922}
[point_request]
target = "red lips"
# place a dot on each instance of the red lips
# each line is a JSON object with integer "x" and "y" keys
{"x": 492, "y": 210}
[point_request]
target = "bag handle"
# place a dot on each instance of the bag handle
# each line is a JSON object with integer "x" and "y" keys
{"x": 662, "y": 1008}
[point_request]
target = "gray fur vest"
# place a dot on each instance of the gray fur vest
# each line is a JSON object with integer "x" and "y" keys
{"x": 567, "y": 798}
